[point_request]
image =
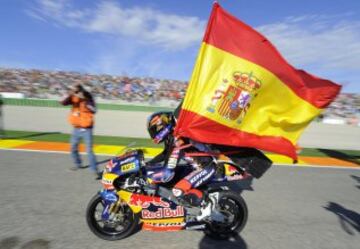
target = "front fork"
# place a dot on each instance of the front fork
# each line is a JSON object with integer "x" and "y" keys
{"x": 111, "y": 204}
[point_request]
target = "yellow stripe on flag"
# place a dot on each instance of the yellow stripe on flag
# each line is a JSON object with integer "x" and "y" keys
{"x": 212, "y": 77}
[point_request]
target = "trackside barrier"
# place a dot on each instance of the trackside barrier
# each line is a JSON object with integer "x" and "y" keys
{"x": 101, "y": 106}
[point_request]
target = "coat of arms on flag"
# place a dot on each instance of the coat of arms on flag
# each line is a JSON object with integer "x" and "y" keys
{"x": 232, "y": 99}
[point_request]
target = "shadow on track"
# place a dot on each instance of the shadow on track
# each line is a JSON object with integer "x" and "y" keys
{"x": 13, "y": 242}
{"x": 9, "y": 243}
{"x": 349, "y": 220}
{"x": 356, "y": 178}
{"x": 236, "y": 242}
{"x": 342, "y": 156}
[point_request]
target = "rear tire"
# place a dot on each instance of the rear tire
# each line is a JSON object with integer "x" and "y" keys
{"x": 108, "y": 230}
{"x": 230, "y": 204}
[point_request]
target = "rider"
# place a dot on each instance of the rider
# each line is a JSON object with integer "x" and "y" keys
{"x": 162, "y": 167}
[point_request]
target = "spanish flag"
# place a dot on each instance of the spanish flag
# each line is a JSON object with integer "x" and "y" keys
{"x": 242, "y": 92}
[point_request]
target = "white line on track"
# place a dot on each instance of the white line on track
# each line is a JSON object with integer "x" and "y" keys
{"x": 101, "y": 154}
{"x": 316, "y": 166}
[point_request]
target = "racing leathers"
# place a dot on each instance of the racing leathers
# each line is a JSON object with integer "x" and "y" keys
{"x": 161, "y": 169}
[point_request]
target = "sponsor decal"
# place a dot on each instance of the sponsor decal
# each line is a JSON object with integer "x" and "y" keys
{"x": 172, "y": 224}
{"x": 111, "y": 165}
{"x": 145, "y": 201}
{"x": 127, "y": 160}
{"x": 204, "y": 177}
{"x": 230, "y": 170}
{"x": 198, "y": 176}
{"x": 163, "y": 213}
{"x": 128, "y": 167}
{"x": 109, "y": 196}
{"x": 107, "y": 184}
{"x": 108, "y": 180}
{"x": 163, "y": 226}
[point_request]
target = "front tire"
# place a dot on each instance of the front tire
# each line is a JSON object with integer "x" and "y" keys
{"x": 233, "y": 206}
{"x": 110, "y": 230}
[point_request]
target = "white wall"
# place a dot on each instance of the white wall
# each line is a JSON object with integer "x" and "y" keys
{"x": 47, "y": 119}
{"x": 133, "y": 124}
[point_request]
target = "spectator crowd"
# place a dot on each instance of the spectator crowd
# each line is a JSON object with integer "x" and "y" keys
{"x": 345, "y": 108}
{"x": 54, "y": 84}
{"x": 145, "y": 90}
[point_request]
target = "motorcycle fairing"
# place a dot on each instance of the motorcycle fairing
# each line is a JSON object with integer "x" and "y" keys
{"x": 156, "y": 213}
{"x": 226, "y": 171}
{"x": 232, "y": 173}
{"x": 168, "y": 226}
{"x": 125, "y": 164}
{"x": 159, "y": 174}
{"x": 107, "y": 180}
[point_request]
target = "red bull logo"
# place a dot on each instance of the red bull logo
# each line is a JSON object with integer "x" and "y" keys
{"x": 163, "y": 213}
{"x": 144, "y": 201}
{"x": 230, "y": 170}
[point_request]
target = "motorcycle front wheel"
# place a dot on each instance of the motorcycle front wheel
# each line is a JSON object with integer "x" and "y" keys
{"x": 234, "y": 208}
{"x": 124, "y": 223}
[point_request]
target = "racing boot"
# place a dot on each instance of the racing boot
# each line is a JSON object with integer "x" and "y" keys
{"x": 208, "y": 209}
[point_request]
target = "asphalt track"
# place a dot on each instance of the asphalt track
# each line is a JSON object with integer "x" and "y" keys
{"x": 42, "y": 205}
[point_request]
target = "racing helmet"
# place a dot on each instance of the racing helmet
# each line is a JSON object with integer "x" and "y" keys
{"x": 160, "y": 125}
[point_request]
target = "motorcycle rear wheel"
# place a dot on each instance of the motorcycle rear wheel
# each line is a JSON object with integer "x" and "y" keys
{"x": 109, "y": 230}
{"x": 233, "y": 206}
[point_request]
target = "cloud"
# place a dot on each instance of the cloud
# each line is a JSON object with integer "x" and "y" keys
{"x": 147, "y": 25}
{"x": 317, "y": 41}
{"x": 127, "y": 57}
{"x": 144, "y": 40}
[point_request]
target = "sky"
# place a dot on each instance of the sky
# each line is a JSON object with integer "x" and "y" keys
{"x": 161, "y": 38}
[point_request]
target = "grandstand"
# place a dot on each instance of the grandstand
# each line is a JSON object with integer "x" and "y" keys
{"x": 42, "y": 84}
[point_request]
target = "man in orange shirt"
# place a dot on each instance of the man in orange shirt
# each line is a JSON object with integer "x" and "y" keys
{"x": 81, "y": 118}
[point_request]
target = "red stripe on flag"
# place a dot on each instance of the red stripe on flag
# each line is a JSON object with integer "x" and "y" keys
{"x": 192, "y": 125}
{"x": 226, "y": 32}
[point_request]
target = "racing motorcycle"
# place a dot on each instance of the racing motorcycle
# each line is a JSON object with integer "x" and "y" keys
{"x": 128, "y": 203}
